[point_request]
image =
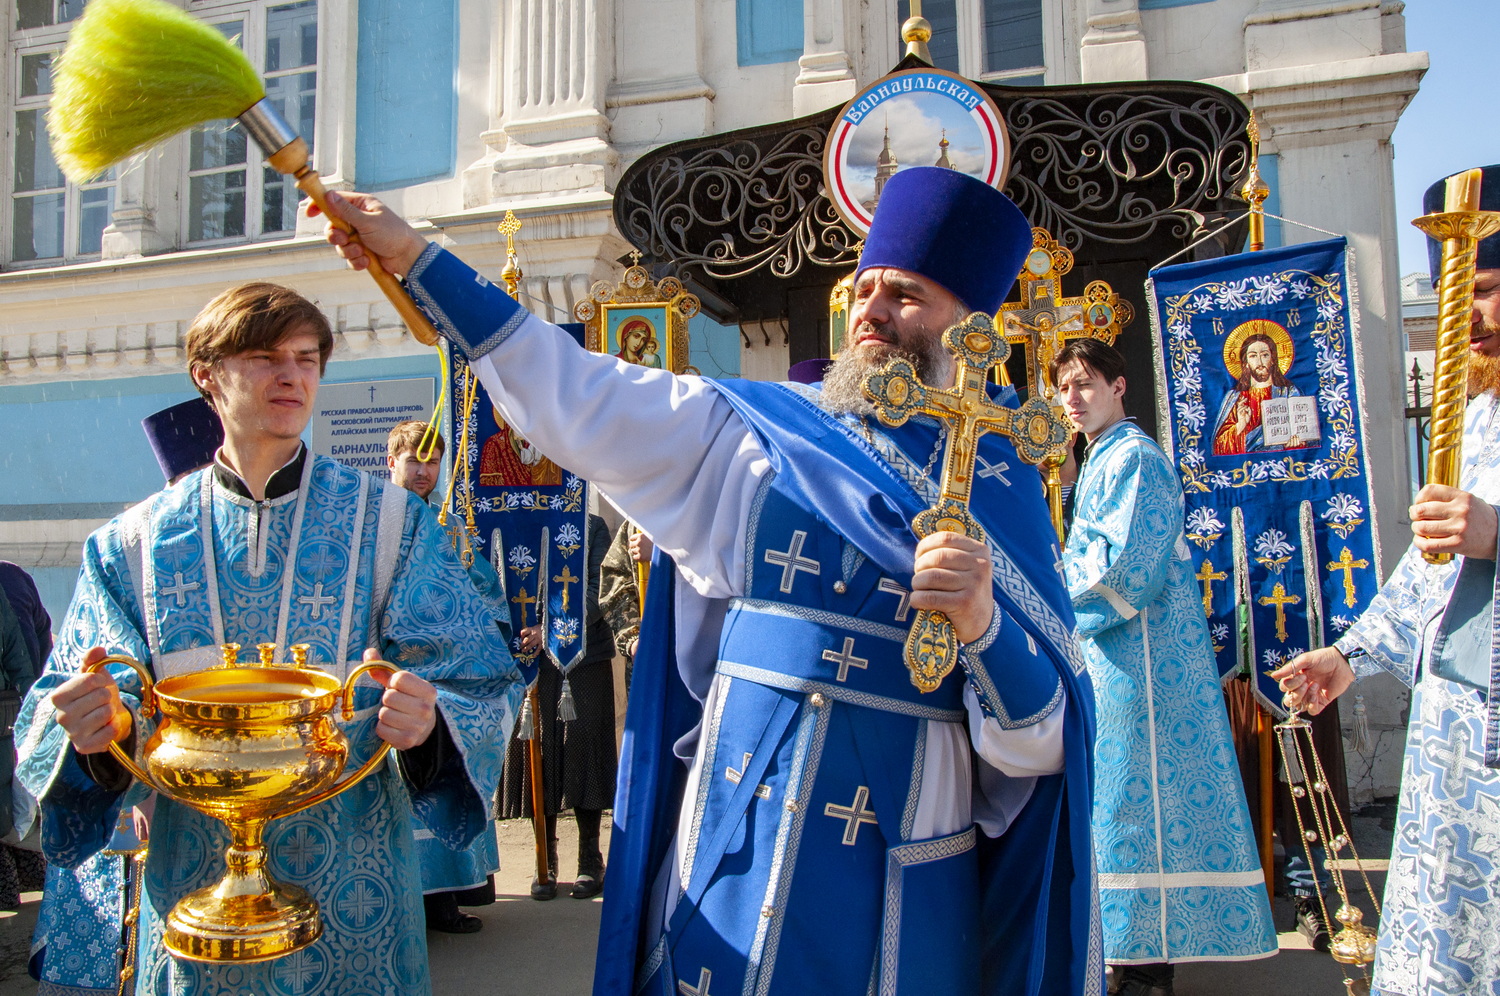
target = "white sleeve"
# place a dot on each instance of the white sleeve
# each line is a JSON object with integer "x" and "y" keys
{"x": 1024, "y": 752}
{"x": 668, "y": 450}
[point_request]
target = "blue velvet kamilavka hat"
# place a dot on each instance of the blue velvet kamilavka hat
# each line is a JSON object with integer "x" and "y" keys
{"x": 184, "y": 437}
{"x": 953, "y": 229}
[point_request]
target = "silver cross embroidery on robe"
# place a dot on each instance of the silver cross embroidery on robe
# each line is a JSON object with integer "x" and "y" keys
{"x": 855, "y": 814}
{"x": 701, "y": 989}
{"x": 846, "y": 659}
{"x": 317, "y": 601}
{"x": 791, "y": 561}
{"x": 762, "y": 791}
{"x": 179, "y": 589}
{"x": 903, "y": 607}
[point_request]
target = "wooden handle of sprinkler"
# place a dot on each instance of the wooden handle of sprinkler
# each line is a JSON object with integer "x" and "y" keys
{"x": 292, "y": 160}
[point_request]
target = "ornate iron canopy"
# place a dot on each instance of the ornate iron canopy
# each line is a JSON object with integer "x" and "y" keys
{"x": 1123, "y": 174}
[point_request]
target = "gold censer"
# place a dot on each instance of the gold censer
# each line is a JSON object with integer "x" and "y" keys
{"x": 246, "y": 745}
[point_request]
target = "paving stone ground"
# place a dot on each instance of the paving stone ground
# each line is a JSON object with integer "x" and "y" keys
{"x": 529, "y": 948}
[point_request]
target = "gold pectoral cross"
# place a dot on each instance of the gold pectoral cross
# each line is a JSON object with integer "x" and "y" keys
{"x": 966, "y": 408}
{"x": 1043, "y": 320}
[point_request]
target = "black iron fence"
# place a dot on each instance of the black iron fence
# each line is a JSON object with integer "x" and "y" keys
{"x": 1418, "y": 427}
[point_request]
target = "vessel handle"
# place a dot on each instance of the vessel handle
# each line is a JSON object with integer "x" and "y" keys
{"x": 148, "y": 706}
{"x": 374, "y": 760}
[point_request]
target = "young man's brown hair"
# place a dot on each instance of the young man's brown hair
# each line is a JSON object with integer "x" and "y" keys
{"x": 1096, "y": 356}
{"x": 256, "y": 315}
{"x": 408, "y": 436}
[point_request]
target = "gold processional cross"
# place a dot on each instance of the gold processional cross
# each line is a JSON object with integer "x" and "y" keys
{"x": 1043, "y": 320}
{"x": 1347, "y": 564}
{"x": 1035, "y": 428}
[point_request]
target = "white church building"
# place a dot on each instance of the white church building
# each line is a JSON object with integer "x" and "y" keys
{"x": 456, "y": 111}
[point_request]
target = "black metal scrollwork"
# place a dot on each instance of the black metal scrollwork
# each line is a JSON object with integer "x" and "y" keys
{"x": 1097, "y": 166}
{"x": 754, "y": 202}
{"x": 1117, "y": 167}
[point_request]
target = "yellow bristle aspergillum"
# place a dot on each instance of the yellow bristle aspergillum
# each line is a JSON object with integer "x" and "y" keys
{"x": 136, "y": 72}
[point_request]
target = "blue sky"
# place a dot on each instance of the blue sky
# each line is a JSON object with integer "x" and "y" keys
{"x": 1436, "y": 135}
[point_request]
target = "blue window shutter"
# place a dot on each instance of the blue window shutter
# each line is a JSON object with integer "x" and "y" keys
{"x": 406, "y": 96}
{"x": 768, "y": 31}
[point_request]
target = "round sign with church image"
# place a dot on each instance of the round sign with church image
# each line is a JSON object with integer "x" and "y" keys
{"x": 917, "y": 117}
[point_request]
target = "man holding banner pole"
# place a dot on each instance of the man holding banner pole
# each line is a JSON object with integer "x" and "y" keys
{"x": 1434, "y": 626}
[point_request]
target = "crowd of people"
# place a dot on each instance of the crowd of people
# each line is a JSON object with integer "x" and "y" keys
{"x": 794, "y": 813}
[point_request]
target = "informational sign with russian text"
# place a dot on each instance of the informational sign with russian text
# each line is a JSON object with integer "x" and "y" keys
{"x": 353, "y": 420}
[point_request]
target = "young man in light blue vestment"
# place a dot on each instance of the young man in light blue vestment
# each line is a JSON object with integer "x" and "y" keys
{"x": 1179, "y": 878}
{"x": 794, "y": 816}
{"x": 1435, "y": 627}
{"x": 450, "y": 878}
{"x": 273, "y": 544}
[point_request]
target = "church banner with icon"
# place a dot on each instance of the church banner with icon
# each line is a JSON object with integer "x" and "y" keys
{"x": 530, "y": 521}
{"x": 1257, "y": 367}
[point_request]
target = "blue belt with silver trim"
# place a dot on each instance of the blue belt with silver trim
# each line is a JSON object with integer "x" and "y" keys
{"x": 805, "y": 650}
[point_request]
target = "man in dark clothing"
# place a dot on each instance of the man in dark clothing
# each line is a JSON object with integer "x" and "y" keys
{"x": 26, "y": 603}
{"x": 578, "y": 753}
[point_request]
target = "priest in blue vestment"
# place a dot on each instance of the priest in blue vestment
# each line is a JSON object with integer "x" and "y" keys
{"x": 274, "y": 544}
{"x": 794, "y": 816}
{"x": 1435, "y": 627}
{"x": 1179, "y": 877}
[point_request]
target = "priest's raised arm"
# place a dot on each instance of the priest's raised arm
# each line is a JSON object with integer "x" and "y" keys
{"x": 816, "y": 780}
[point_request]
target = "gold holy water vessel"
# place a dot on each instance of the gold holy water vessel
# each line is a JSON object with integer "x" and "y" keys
{"x": 246, "y": 744}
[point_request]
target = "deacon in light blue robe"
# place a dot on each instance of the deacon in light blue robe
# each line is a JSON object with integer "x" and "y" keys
{"x": 445, "y": 869}
{"x": 341, "y": 562}
{"x": 1179, "y": 878}
{"x": 1440, "y": 928}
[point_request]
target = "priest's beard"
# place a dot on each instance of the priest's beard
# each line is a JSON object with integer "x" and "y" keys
{"x": 844, "y": 381}
{"x": 1484, "y": 371}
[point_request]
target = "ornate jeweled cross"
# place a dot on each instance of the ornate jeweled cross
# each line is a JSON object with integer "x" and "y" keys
{"x": 1208, "y": 576}
{"x": 1044, "y": 319}
{"x": 1347, "y": 564}
{"x": 1035, "y": 428}
{"x": 1279, "y": 598}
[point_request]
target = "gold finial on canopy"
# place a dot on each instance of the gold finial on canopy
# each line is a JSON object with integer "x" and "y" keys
{"x": 917, "y": 32}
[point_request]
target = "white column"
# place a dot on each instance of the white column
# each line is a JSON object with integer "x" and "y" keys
{"x": 1113, "y": 48}
{"x": 132, "y": 230}
{"x": 556, "y": 59}
{"x": 660, "y": 91}
{"x": 825, "y": 75}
